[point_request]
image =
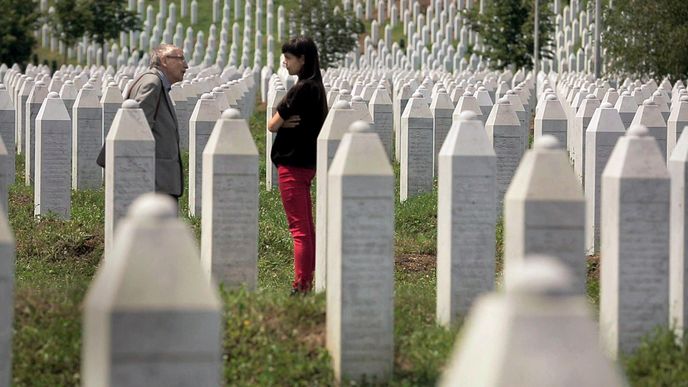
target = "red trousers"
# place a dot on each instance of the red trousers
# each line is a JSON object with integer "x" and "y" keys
{"x": 295, "y": 189}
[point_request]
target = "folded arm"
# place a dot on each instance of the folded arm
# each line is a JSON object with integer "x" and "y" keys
{"x": 277, "y": 122}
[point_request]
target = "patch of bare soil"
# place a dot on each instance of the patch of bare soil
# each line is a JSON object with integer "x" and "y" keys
{"x": 593, "y": 267}
{"x": 311, "y": 333}
{"x": 313, "y": 336}
{"x": 415, "y": 262}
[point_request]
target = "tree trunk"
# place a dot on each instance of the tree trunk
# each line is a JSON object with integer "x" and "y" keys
{"x": 102, "y": 54}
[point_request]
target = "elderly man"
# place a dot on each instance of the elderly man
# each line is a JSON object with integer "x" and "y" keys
{"x": 151, "y": 90}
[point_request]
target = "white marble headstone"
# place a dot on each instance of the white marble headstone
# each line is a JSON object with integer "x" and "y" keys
{"x": 23, "y": 89}
{"x": 151, "y": 317}
{"x": 504, "y": 130}
{"x": 442, "y": 111}
{"x": 201, "y": 124}
{"x": 536, "y": 334}
{"x": 129, "y": 165}
{"x": 7, "y": 132}
{"x": 626, "y": 106}
{"x": 603, "y": 132}
{"x": 466, "y": 218}
{"x": 183, "y": 112}
{"x": 678, "y": 120}
{"x": 416, "y": 164}
{"x": 550, "y": 119}
{"x": 110, "y": 102}
{"x": 678, "y": 264}
{"x": 34, "y": 102}
{"x": 87, "y": 140}
{"x": 360, "y": 249}
{"x": 52, "y": 185}
{"x": 542, "y": 218}
{"x": 581, "y": 122}
{"x": 649, "y": 115}
{"x": 7, "y": 259}
{"x": 634, "y": 272}
{"x": 274, "y": 98}
{"x": 229, "y": 222}
{"x": 338, "y": 120}
{"x": 381, "y": 111}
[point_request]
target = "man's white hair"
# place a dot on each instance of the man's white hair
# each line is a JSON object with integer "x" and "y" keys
{"x": 160, "y": 52}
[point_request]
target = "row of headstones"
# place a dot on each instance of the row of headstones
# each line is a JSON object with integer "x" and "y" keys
{"x": 590, "y": 132}
{"x": 642, "y": 282}
{"x": 198, "y": 50}
{"x": 442, "y": 22}
{"x": 360, "y": 329}
{"x": 567, "y": 216}
{"x": 229, "y": 185}
{"x": 163, "y": 27}
{"x": 361, "y": 196}
{"x": 228, "y": 252}
{"x": 541, "y": 218}
{"x": 342, "y": 114}
{"x": 413, "y": 125}
{"x": 550, "y": 120}
{"x": 575, "y": 26}
{"x": 437, "y": 28}
{"x": 82, "y": 132}
{"x": 648, "y": 104}
{"x": 202, "y": 54}
{"x": 157, "y": 30}
{"x": 191, "y": 306}
{"x": 368, "y": 222}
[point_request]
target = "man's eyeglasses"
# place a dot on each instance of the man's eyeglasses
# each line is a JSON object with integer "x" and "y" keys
{"x": 176, "y": 57}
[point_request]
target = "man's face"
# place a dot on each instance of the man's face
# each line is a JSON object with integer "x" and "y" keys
{"x": 293, "y": 63}
{"x": 174, "y": 65}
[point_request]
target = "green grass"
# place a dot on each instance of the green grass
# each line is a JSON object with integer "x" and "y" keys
{"x": 269, "y": 337}
{"x": 661, "y": 360}
{"x": 55, "y": 263}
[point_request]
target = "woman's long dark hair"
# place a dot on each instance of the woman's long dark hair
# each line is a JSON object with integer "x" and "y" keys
{"x": 305, "y": 46}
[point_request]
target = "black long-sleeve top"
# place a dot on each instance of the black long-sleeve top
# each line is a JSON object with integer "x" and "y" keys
{"x": 297, "y": 146}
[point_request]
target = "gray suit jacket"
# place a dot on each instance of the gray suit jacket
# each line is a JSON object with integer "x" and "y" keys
{"x": 148, "y": 91}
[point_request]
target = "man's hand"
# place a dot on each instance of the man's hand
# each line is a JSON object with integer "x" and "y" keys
{"x": 291, "y": 122}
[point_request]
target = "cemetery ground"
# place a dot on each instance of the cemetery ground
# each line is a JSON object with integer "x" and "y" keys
{"x": 270, "y": 338}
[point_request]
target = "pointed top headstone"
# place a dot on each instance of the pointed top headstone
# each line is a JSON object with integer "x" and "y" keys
{"x": 417, "y": 107}
{"x": 5, "y": 100}
{"x": 365, "y": 155}
{"x": 649, "y": 116}
{"x": 678, "y": 120}
{"x": 530, "y": 309}
{"x": 531, "y": 205}
{"x": 127, "y": 291}
{"x": 53, "y": 109}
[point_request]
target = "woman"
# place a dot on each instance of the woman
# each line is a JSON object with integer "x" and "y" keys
{"x": 297, "y": 122}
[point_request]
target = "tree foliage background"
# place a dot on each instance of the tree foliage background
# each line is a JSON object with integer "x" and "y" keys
{"x": 334, "y": 31}
{"x": 69, "y": 21}
{"x": 506, "y": 29}
{"x": 18, "y": 20}
{"x": 647, "y": 38}
{"x": 107, "y": 18}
